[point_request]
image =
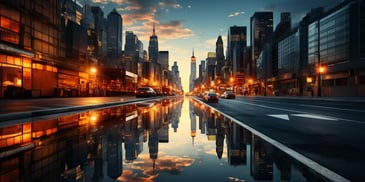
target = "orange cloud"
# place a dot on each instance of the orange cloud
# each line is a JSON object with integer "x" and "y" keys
{"x": 164, "y": 31}
{"x": 133, "y": 18}
{"x": 152, "y": 168}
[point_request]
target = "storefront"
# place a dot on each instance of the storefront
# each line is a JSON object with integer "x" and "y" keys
{"x": 15, "y": 72}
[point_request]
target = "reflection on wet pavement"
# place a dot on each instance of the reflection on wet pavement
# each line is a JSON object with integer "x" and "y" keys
{"x": 168, "y": 140}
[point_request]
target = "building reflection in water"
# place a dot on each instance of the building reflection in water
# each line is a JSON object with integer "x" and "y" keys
{"x": 242, "y": 145}
{"x": 107, "y": 145}
{"x": 86, "y": 146}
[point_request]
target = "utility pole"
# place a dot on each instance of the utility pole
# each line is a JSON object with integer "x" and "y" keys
{"x": 319, "y": 62}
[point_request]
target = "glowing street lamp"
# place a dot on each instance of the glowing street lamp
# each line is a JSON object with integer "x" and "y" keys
{"x": 92, "y": 80}
{"x": 250, "y": 81}
{"x": 93, "y": 71}
{"x": 321, "y": 70}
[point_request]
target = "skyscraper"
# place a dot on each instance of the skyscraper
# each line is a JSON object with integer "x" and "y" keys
{"x": 164, "y": 59}
{"x": 153, "y": 47}
{"x": 192, "y": 72}
{"x": 176, "y": 75}
{"x": 219, "y": 56}
{"x": 100, "y": 23}
{"x": 130, "y": 46}
{"x": 114, "y": 38}
{"x": 211, "y": 66}
{"x": 235, "y": 49}
{"x": 261, "y": 33}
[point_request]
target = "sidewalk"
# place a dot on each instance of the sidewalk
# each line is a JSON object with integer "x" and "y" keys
{"x": 12, "y": 109}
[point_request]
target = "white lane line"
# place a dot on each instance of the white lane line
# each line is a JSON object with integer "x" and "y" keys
{"x": 332, "y": 176}
{"x": 280, "y": 116}
{"x": 335, "y": 108}
{"x": 314, "y": 116}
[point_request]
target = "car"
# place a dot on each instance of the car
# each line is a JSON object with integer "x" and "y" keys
{"x": 228, "y": 95}
{"x": 158, "y": 92}
{"x": 211, "y": 97}
{"x": 145, "y": 92}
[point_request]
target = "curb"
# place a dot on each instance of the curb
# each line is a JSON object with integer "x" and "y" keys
{"x": 22, "y": 115}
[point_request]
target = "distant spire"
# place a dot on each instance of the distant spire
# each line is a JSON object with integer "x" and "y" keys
{"x": 154, "y": 30}
{"x": 193, "y": 57}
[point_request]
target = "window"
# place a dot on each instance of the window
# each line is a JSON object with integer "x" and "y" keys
{"x": 9, "y": 30}
{"x": 9, "y": 24}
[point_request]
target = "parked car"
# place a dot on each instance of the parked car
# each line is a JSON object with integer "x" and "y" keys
{"x": 145, "y": 92}
{"x": 228, "y": 95}
{"x": 211, "y": 97}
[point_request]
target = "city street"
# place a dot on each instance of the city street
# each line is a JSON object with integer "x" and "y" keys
{"x": 330, "y": 131}
{"x": 325, "y": 134}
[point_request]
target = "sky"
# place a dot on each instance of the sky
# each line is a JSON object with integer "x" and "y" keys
{"x": 186, "y": 25}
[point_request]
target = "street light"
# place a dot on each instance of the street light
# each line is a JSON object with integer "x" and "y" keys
{"x": 92, "y": 70}
{"x": 321, "y": 70}
{"x": 92, "y": 80}
{"x": 231, "y": 81}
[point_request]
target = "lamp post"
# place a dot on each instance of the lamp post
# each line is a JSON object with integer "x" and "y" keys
{"x": 250, "y": 81}
{"x": 265, "y": 83}
{"x": 320, "y": 71}
{"x": 319, "y": 62}
{"x": 92, "y": 80}
{"x": 319, "y": 83}
{"x": 231, "y": 80}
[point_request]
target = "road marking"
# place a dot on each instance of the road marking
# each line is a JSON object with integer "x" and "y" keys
{"x": 280, "y": 116}
{"x": 290, "y": 110}
{"x": 325, "y": 107}
{"x": 311, "y": 116}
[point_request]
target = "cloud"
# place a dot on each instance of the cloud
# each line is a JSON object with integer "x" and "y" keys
{"x": 140, "y": 15}
{"x": 145, "y": 171}
{"x": 107, "y": 1}
{"x": 236, "y": 13}
{"x": 165, "y": 31}
{"x": 133, "y": 18}
{"x": 168, "y": 4}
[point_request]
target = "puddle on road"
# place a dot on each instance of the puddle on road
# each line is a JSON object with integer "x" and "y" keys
{"x": 173, "y": 139}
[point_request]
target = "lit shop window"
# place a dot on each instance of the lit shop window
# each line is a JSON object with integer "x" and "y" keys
{"x": 9, "y": 30}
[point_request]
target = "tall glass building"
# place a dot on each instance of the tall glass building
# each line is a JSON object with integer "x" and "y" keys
{"x": 261, "y": 33}
{"x": 334, "y": 42}
{"x": 236, "y": 44}
{"x": 220, "y": 56}
{"x": 153, "y": 47}
{"x": 114, "y": 38}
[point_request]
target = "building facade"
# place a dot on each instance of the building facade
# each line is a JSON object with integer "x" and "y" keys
{"x": 153, "y": 47}
{"x": 236, "y": 56}
{"x": 211, "y": 68}
{"x": 114, "y": 39}
{"x": 334, "y": 43}
{"x": 289, "y": 64}
{"x": 261, "y": 33}
{"x": 192, "y": 73}
{"x": 29, "y": 47}
{"x": 219, "y": 52}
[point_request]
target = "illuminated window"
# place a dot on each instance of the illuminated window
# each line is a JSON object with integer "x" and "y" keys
{"x": 9, "y": 24}
{"x": 9, "y": 30}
